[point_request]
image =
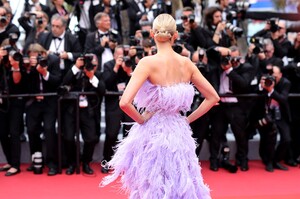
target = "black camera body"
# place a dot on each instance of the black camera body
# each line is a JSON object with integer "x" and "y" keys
{"x": 128, "y": 61}
{"x": 273, "y": 26}
{"x": 258, "y": 42}
{"x": 269, "y": 79}
{"x": 87, "y": 59}
{"x": 145, "y": 33}
{"x": 11, "y": 51}
{"x": 16, "y": 55}
{"x": 3, "y": 19}
{"x": 39, "y": 21}
{"x": 190, "y": 18}
{"x": 42, "y": 61}
{"x": 225, "y": 60}
{"x": 113, "y": 36}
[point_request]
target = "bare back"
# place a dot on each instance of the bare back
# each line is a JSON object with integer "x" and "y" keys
{"x": 169, "y": 70}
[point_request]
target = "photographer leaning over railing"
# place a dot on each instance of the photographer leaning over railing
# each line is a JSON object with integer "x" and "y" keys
{"x": 275, "y": 119}
{"x": 43, "y": 76}
{"x": 11, "y": 110}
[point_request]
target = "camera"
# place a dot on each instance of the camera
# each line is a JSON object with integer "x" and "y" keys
{"x": 266, "y": 120}
{"x": 40, "y": 20}
{"x": 236, "y": 30}
{"x": 63, "y": 90}
{"x": 225, "y": 60}
{"x": 145, "y": 33}
{"x": 190, "y": 18}
{"x": 113, "y": 36}
{"x": 258, "y": 42}
{"x": 139, "y": 51}
{"x": 273, "y": 26}
{"x": 3, "y": 19}
{"x": 16, "y": 55}
{"x": 269, "y": 79}
{"x": 128, "y": 61}
{"x": 177, "y": 48}
{"x": 133, "y": 41}
{"x": 224, "y": 160}
{"x": 42, "y": 61}
{"x": 243, "y": 5}
{"x": 87, "y": 59}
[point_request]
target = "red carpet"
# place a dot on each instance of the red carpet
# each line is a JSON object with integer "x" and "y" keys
{"x": 254, "y": 184}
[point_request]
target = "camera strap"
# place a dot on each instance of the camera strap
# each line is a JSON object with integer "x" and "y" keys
{"x": 59, "y": 44}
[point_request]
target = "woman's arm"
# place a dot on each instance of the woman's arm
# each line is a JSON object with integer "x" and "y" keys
{"x": 206, "y": 89}
{"x": 138, "y": 77}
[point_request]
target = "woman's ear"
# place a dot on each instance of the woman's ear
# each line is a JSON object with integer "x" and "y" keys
{"x": 175, "y": 35}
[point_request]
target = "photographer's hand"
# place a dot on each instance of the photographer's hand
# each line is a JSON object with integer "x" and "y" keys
{"x": 79, "y": 62}
{"x": 112, "y": 45}
{"x": 89, "y": 73}
{"x": 275, "y": 35}
{"x": 118, "y": 63}
{"x": 104, "y": 40}
{"x": 270, "y": 88}
{"x": 42, "y": 70}
{"x": 64, "y": 55}
{"x": 2, "y": 53}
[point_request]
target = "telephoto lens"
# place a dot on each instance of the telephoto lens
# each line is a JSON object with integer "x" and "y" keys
{"x": 37, "y": 160}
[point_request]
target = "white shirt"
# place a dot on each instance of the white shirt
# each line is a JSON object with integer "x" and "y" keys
{"x": 224, "y": 88}
{"x": 107, "y": 54}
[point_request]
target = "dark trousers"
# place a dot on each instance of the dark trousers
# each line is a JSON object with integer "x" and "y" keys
{"x": 223, "y": 115}
{"x": 11, "y": 125}
{"x": 201, "y": 130}
{"x": 43, "y": 112}
{"x": 87, "y": 126}
{"x": 267, "y": 148}
{"x": 113, "y": 121}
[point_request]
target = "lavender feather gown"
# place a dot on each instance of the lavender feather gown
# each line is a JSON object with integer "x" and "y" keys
{"x": 157, "y": 159}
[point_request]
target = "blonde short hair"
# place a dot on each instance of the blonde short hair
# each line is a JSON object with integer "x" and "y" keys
{"x": 164, "y": 26}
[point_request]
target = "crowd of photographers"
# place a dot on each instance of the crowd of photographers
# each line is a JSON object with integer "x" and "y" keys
{"x": 100, "y": 58}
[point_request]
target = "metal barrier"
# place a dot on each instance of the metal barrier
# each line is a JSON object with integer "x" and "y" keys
{"x": 74, "y": 96}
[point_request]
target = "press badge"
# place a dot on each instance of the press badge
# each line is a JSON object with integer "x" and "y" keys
{"x": 83, "y": 103}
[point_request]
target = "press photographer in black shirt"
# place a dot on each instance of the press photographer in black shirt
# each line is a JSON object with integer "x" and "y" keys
{"x": 82, "y": 77}
{"x": 275, "y": 119}
{"x": 43, "y": 76}
{"x": 11, "y": 109}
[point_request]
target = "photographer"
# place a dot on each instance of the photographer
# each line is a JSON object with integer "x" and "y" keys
{"x": 11, "y": 109}
{"x": 61, "y": 43}
{"x": 116, "y": 75}
{"x": 276, "y": 31}
{"x": 292, "y": 73}
{"x": 6, "y": 27}
{"x": 82, "y": 77}
{"x": 190, "y": 33}
{"x": 235, "y": 77}
{"x": 114, "y": 10}
{"x": 140, "y": 11}
{"x": 103, "y": 41}
{"x": 275, "y": 120}
{"x": 36, "y": 6}
{"x": 217, "y": 32}
{"x": 32, "y": 31}
{"x": 43, "y": 76}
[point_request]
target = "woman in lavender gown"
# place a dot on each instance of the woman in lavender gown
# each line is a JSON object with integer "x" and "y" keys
{"x": 157, "y": 159}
